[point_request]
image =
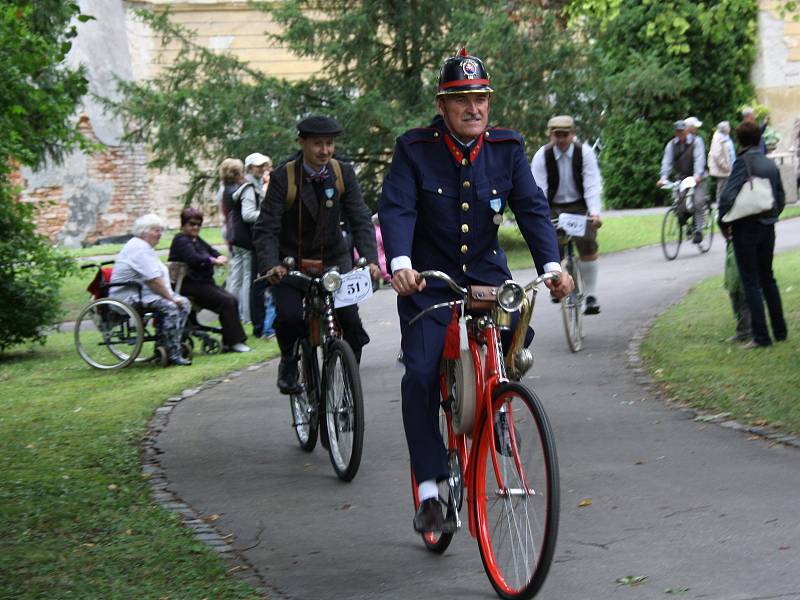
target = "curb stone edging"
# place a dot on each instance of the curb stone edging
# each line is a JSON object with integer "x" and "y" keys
{"x": 206, "y": 533}
{"x": 636, "y": 364}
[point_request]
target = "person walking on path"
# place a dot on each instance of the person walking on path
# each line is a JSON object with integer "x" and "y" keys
{"x": 306, "y": 226}
{"x": 568, "y": 173}
{"x": 754, "y": 236}
{"x": 441, "y": 204}
{"x": 721, "y": 156}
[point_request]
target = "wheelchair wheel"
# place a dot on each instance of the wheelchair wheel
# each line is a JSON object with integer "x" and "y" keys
{"x": 108, "y": 334}
{"x": 187, "y": 348}
{"x": 161, "y": 357}
{"x": 211, "y": 346}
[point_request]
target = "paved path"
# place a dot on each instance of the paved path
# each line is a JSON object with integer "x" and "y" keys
{"x": 686, "y": 504}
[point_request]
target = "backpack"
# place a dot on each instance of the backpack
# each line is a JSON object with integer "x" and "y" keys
{"x": 291, "y": 181}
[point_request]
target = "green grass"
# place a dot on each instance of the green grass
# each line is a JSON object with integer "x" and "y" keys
{"x": 686, "y": 352}
{"x": 75, "y": 510}
{"x": 616, "y": 234}
{"x": 210, "y": 234}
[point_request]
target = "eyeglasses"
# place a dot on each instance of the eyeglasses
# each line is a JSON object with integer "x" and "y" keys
{"x": 562, "y": 134}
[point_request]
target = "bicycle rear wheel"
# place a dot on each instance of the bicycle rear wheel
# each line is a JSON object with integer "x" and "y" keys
{"x": 439, "y": 541}
{"x": 517, "y": 523}
{"x": 344, "y": 409}
{"x": 305, "y": 405}
{"x": 708, "y": 230}
{"x": 572, "y": 306}
{"x": 671, "y": 233}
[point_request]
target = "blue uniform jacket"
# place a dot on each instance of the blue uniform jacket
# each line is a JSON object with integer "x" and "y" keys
{"x": 439, "y": 204}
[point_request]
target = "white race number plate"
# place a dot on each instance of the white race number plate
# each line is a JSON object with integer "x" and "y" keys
{"x": 574, "y": 225}
{"x": 356, "y": 287}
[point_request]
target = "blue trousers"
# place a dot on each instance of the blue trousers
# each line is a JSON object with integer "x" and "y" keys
{"x": 422, "y": 345}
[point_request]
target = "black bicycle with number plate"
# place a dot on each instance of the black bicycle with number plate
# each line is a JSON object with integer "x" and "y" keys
{"x": 678, "y": 223}
{"x": 331, "y": 404}
{"x": 572, "y": 305}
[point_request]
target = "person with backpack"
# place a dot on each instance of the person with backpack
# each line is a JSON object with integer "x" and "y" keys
{"x": 568, "y": 173}
{"x": 301, "y": 216}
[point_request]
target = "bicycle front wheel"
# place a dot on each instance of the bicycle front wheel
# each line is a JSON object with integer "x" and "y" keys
{"x": 305, "y": 405}
{"x": 517, "y": 520}
{"x": 671, "y": 233}
{"x": 708, "y": 230}
{"x": 572, "y": 306}
{"x": 344, "y": 409}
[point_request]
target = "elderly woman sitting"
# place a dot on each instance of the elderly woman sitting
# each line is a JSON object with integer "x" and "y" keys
{"x": 200, "y": 258}
{"x": 137, "y": 263}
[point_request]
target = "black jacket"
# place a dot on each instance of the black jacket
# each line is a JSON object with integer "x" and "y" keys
{"x": 197, "y": 254}
{"x": 759, "y": 166}
{"x": 276, "y": 233}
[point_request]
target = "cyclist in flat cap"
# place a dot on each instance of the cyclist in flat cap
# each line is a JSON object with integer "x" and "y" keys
{"x": 306, "y": 201}
{"x": 442, "y": 202}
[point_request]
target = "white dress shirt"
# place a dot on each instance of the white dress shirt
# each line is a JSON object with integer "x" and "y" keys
{"x": 567, "y": 190}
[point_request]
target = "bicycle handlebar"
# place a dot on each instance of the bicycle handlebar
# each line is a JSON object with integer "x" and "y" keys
{"x": 100, "y": 264}
{"x": 446, "y": 278}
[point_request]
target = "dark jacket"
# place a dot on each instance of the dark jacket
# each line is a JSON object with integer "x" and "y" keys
{"x": 759, "y": 166}
{"x": 441, "y": 206}
{"x": 238, "y": 232}
{"x": 276, "y": 233}
{"x": 197, "y": 254}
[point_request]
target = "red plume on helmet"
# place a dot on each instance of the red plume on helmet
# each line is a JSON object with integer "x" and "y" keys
{"x": 463, "y": 73}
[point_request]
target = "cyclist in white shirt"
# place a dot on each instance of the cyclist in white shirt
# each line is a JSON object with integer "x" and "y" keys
{"x": 568, "y": 173}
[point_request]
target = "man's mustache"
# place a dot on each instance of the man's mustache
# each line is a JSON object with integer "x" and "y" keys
{"x": 471, "y": 117}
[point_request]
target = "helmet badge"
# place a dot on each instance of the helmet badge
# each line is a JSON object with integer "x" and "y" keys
{"x": 470, "y": 68}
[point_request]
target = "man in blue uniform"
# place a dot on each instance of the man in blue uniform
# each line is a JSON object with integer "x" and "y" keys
{"x": 441, "y": 204}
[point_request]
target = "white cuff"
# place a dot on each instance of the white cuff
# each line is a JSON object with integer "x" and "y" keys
{"x": 552, "y": 266}
{"x": 400, "y": 262}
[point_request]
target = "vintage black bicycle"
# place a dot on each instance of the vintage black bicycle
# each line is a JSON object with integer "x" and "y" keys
{"x": 572, "y": 305}
{"x": 331, "y": 404}
{"x": 678, "y": 223}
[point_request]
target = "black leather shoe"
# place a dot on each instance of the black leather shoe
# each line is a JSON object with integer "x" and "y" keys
{"x": 428, "y": 517}
{"x": 697, "y": 237}
{"x": 180, "y": 361}
{"x": 287, "y": 376}
{"x": 592, "y": 307}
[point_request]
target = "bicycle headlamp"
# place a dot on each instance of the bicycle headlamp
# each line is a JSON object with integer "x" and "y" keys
{"x": 331, "y": 281}
{"x": 510, "y": 296}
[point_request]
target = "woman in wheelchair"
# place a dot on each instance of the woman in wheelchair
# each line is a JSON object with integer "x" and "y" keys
{"x": 137, "y": 263}
{"x": 198, "y": 281}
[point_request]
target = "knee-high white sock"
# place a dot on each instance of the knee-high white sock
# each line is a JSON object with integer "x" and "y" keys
{"x": 428, "y": 489}
{"x": 589, "y": 275}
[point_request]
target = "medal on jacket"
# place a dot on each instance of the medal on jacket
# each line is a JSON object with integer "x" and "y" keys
{"x": 329, "y": 192}
{"x": 496, "y": 205}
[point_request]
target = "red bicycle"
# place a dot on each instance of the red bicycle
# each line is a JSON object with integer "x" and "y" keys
{"x": 500, "y": 445}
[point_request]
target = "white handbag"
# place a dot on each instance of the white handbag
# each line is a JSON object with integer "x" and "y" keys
{"x": 755, "y": 197}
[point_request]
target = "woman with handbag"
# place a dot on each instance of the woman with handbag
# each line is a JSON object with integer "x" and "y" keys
{"x": 749, "y": 206}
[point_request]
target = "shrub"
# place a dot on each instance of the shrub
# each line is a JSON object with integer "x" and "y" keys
{"x": 30, "y": 273}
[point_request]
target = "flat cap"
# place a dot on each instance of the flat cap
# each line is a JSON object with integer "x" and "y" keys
{"x": 680, "y": 125}
{"x": 318, "y": 125}
{"x": 561, "y": 123}
{"x": 693, "y": 122}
